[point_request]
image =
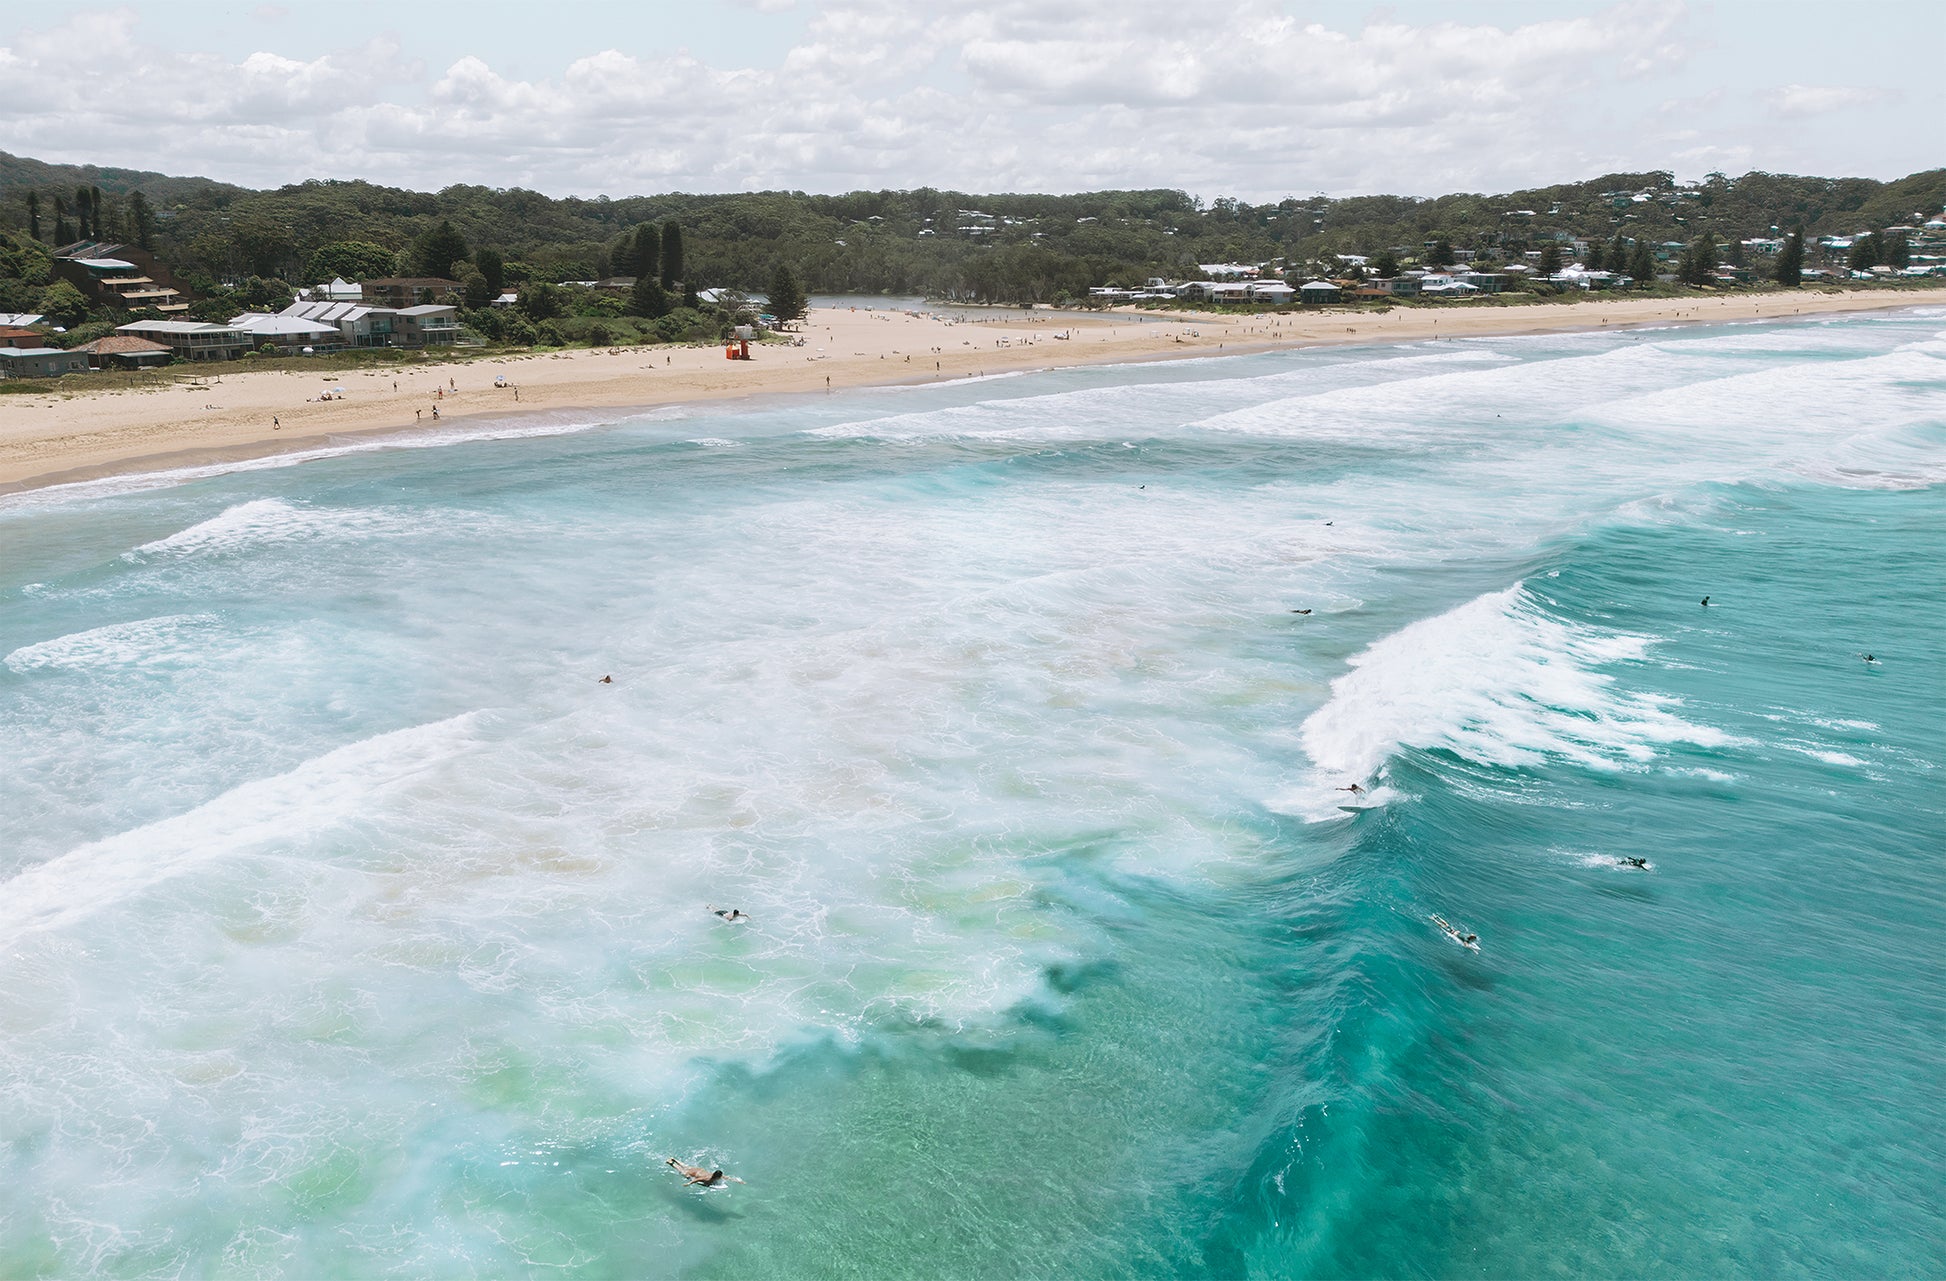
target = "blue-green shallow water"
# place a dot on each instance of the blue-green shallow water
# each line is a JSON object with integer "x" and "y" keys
{"x": 350, "y": 928}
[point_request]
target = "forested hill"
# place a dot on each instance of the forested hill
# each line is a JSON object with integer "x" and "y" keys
{"x": 941, "y": 242}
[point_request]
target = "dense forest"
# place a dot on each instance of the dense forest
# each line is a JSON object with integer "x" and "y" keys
{"x": 232, "y": 244}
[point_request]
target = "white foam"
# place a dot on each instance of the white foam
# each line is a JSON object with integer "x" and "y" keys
{"x": 256, "y": 817}
{"x": 1496, "y": 681}
{"x": 146, "y": 642}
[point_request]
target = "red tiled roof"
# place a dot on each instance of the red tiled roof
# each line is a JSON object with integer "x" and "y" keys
{"x": 120, "y": 345}
{"x": 8, "y": 332}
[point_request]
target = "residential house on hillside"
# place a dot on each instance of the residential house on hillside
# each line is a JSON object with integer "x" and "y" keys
{"x": 21, "y": 319}
{"x": 428, "y": 326}
{"x": 123, "y": 276}
{"x": 409, "y": 291}
{"x": 20, "y": 338}
{"x": 362, "y": 325}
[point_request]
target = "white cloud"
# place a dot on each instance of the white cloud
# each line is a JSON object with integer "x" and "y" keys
{"x": 989, "y": 95}
{"x": 1818, "y": 100}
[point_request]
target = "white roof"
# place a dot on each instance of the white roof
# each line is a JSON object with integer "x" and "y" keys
{"x": 1319, "y": 284}
{"x": 21, "y": 318}
{"x": 330, "y": 313}
{"x": 11, "y": 352}
{"x": 265, "y": 325}
{"x": 429, "y": 309}
{"x": 173, "y": 327}
{"x": 106, "y": 264}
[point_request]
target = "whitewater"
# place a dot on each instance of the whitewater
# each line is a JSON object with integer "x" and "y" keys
{"x": 350, "y": 924}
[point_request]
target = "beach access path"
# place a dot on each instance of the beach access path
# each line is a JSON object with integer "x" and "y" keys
{"x": 232, "y": 411}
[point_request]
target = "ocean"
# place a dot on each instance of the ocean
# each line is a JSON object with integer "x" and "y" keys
{"x": 351, "y": 926}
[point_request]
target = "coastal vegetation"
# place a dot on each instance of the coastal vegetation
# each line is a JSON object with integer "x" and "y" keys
{"x": 237, "y": 249}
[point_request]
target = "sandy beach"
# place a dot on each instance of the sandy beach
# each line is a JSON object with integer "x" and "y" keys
{"x": 236, "y": 412}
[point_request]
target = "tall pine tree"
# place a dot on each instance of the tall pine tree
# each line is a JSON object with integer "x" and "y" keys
{"x": 786, "y": 295}
{"x": 1790, "y": 261}
{"x": 34, "y": 214}
{"x": 671, "y": 254}
{"x": 144, "y": 220}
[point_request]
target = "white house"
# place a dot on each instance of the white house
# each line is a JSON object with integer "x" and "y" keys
{"x": 1317, "y": 291}
{"x": 287, "y": 333}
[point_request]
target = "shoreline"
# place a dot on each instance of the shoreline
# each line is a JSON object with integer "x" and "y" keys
{"x": 50, "y": 438}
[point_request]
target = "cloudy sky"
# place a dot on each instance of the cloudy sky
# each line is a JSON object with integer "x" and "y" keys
{"x": 1258, "y": 99}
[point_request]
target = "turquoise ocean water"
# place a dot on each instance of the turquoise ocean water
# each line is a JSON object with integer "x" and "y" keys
{"x": 349, "y": 927}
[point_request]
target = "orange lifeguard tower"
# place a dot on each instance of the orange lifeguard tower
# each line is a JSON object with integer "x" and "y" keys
{"x": 738, "y": 348}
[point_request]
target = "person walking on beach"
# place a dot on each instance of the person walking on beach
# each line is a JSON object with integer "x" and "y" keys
{"x": 275, "y": 423}
{"x": 435, "y": 413}
{"x": 418, "y": 414}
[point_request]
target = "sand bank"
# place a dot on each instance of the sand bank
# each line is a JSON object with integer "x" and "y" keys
{"x": 235, "y": 412}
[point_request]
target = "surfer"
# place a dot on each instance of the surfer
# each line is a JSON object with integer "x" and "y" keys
{"x": 730, "y": 914}
{"x": 1706, "y": 601}
{"x": 1354, "y": 789}
{"x": 1868, "y": 658}
{"x": 1639, "y": 864}
{"x": 698, "y": 1175}
{"x": 1300, "y": 611}
{"x": 606, "y": 680}
{"x": 1452, "y": 932}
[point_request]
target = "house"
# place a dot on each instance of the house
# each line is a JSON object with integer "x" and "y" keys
{"x": 339, "y": 290}
{"x": 1274, "y": 292}
{"x": 358, "y": 324}
{"x": 21, "y": 319}
{"x": 17, "y": 337}
{"x": 190, "y": 339}
{"x": 41, "y": 362}
{"x": 120, "y": 276}
{"x": 1393, "y": 286}
{"x": 433, "y": 325}
{"x": 1487, "y": 282}
{"x": 408, "y": 291}
{"x": 125, "y": 351}
{"x": 1317, "y": 291}
{"x": 287, "y": 334}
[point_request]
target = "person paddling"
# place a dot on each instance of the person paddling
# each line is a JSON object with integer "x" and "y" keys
{"x": 696, "y": 1174}
{"x": 730, "y": 914}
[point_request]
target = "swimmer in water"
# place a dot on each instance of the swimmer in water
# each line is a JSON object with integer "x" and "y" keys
{"x": 698, "y": 1175}
{"x": 729, "y": 914}
{"x": 606, "y": 680}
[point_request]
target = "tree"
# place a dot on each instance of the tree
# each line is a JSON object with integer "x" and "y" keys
{"x": 493, "y": 267}
{"x": 64, "y": 304}
{"x": 645, "y": 258}
{"x": 1550, "y": 258}
{"x": 1597, "y": 256}
{"x": 83, "y": 209}
{"x": 478, "y": 293}
{"x": 434, "y": 253}
{"x": 1699, "y": 261}
{"x": 672, "y": 264}
{"x": 94, "y": 202}
{"x": 1733, "y": 251}
{"x": 1898, "y": 253}
{"x": 786, "y": 295}
{"x": 63, "y": 233}
{"x": 34, "y": 214}
{"x": 1641, "y": 263}
{"x": 1441, "y": 254}
{"x": 540, "y": 301}
{"x": 647, "y": 299}
{"x": 1384, "y": 264}
{"x": 349, "y": 260}
{"x": 144, "y": 219}
{"x": 1790, "y": 261}
{"x": 1867, "y": 252}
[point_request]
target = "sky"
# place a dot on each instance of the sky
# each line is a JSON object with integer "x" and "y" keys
{"x": 1256, "y": 99}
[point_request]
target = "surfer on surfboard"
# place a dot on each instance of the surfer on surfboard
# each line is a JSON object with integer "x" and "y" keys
{"x": 696, "y": 1174}
{"x": 1452, "y": 932}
